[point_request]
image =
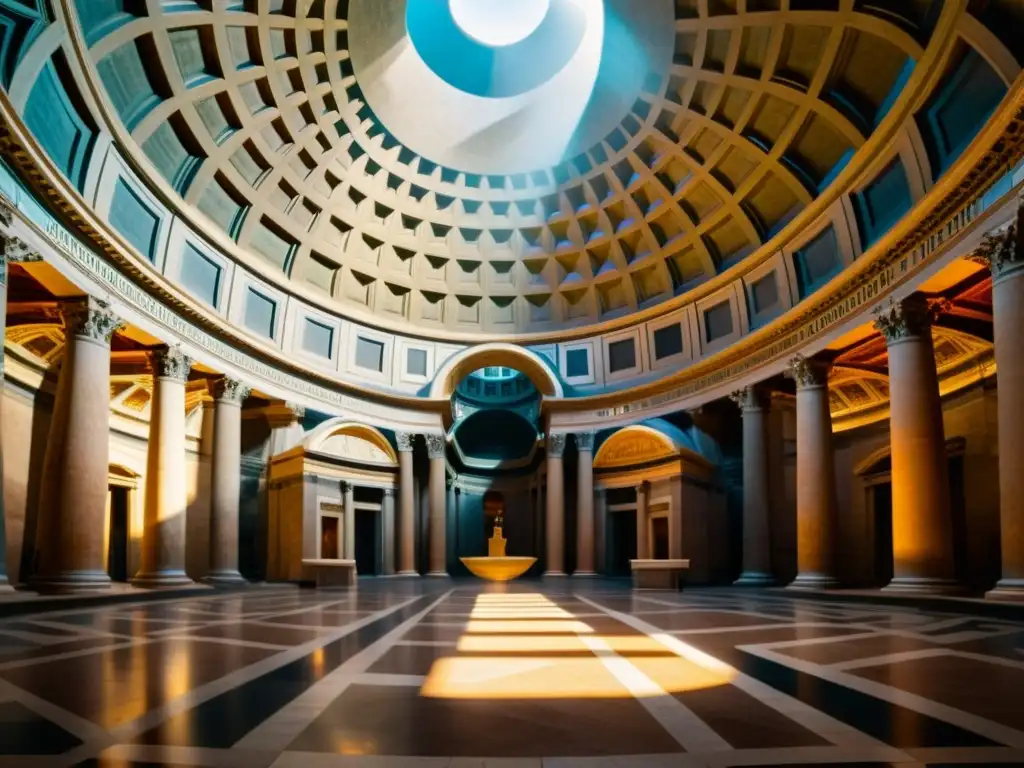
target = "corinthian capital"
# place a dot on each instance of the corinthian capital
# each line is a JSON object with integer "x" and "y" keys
{"x": 90, "y": 319}
{"x": 436, "y": 445}
{"x": 233, "y": 391}
{"x": 912, "y": 317}
{"x": 171, "y": 363}
{"x": 584, "y": 441}
{"x": 556, "y": 445}
{"x": 1003, "y": 252}
{"x": 404, "y": 441}
{"x": 754, "y": 398}
{"x": 809, "y": 372}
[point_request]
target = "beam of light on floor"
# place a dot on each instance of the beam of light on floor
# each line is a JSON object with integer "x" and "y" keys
{"x": 513, "y": 648}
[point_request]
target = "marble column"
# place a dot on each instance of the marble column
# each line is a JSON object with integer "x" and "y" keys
{"x": 585, "y": 505}
{"x": 922, "y": 530}
{"x": 226, "y": 481}
{"x": 1005, "y": 255}
{"x": 387, "y": 522}
{"x": 349, "y": 521}
{"x": 816, "y": 501}
{"x": 406, "y": 507}
{"x": 757, "y": 557}
{"x": 555, "y": 509}
{"x": 73, "y": 499}
{"x": 162, "y": 562}
{"x": 438, "y": 542}
{"x": 7, "y": 246}
{"x": 643, "y": 544}
{"x": 601, "y": 531}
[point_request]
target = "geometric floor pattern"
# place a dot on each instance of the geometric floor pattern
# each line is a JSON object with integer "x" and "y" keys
{"x": 538, "y": 674}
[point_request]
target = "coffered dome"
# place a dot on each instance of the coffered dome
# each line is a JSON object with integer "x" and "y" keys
{"x": 441, "y": 165}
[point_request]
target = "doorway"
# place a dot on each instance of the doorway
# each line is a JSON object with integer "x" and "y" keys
{"x": 117, "y": 538}
{"x": 329, "y": 549}
{"x": 368, "y": 542}
{"x": 659, "y": 532}
{"x": 621, "y": 541}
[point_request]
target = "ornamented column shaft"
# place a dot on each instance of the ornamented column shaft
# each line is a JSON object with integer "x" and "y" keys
{"x": 163, "y": 535}
{"x": 757, "y": 557}
{"x": 816, "y": 501}
{"x": 585, "y": 505}
{"x": 9, "y": 248}
{"x": 349, "y": 522}
{"x": 226, "y": 481}
{"x": 388, "y": 531}
{"x": 438, "y": 543}
{"x": 1005, "y": 254}
{"x": 406, "y": 507}
{"x": 555, "y": 508}
{"x": 922, "y": 530}
{"x": 73, "y": 500}
{"x": 643, "y": 544}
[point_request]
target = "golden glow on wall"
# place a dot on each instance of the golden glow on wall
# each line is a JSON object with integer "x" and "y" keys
{"x": 524, "y": 646}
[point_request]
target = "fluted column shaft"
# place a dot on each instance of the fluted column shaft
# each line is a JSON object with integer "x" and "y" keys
{"x": 585, "y": 505}
{"x": 225, "y": 481}
{"x": 757, "y": 558}
{"x": 73, "y": 498}
{"x": 555, "y": 507}
{"x": 438, "y": 492}
{"x": 816, "y": 500}
{"x": 163, "y": 535}
{"x": 643, "y": 544}
{"x": 922, "y": 529}
{"x": 1005, "y": 255}
{"x": 349, "y": 521}
{"x": 406, "y": 507}
{"x": 388, "y": 531}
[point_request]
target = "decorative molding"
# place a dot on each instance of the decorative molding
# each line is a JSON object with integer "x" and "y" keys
{"x": 1003, "y": 252}
{"x": 436, "y": 446}
{"x": 810, "y": 372}
{"x": 910, "y": 318}
{"x": 405, "y": 441}
{"x": 556, "y": 444}
{"x": 754, "y": 398}
{"x": 90, "y": 319}
{"x": 171, "y": 363}
{"x": 231, "y": 391}
{"x": 585, "y": 441}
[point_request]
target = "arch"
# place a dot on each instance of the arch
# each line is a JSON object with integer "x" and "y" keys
{"x": 643, "y": 444}
{"x": 530, "y": 364}
{"x": 874, "y": 462}
{"x": 340, "y": 432}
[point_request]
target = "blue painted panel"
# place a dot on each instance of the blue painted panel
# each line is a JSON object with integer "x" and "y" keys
{"x": 134, "y": 219}
{"x": 101, "y": 17}
{"x": 20, "y": 24}
{"x": 959, "y": 109}
{"x": 128, "y": 85}
{"x": 260, "y": 313}
{"x": 577, "y": 363}
{"x": 200, "y": 276}
{"x": 882, "y": 203}
{"x": 817, "y": 262}
{"x": 52, "y": 118}
{"x": 318, "y": 339}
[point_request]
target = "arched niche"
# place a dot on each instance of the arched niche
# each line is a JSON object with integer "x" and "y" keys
{"x": 644, "y": 445}
{"x": 350, "y": 441}
{"x": 528, "y": 363}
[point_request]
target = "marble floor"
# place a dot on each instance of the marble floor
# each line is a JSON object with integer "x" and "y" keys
{"x": 429, "y": 673}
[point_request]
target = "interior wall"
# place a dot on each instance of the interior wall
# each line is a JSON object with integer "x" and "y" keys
{"x": 970, "y": 415}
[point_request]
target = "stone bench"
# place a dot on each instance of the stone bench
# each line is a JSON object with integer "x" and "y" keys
{"x": 329, "y": 573}
{"x": 658, "y": 574}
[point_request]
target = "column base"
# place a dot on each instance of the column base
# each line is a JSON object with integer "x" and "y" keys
{"x": 439, "y": 575}
{"x": 71, "y": 582}
{"x": 1010, "y": 590}
{"x": 407, "y": 575}
{"x": 162, "y": 580}
{"x": 555, "y": 575}
{"x": 584, "y": 574}
{"x": 224, "y": 579}
{"x": 754, "y": 579}
{"x": 919, "y": 585}
{"x": 5, "y": 585}
{"x": 813, "y": 581}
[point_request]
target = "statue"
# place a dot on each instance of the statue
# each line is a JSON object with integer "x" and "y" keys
{"x": 496, "y": 544}
{"x": 498, "y": 566}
